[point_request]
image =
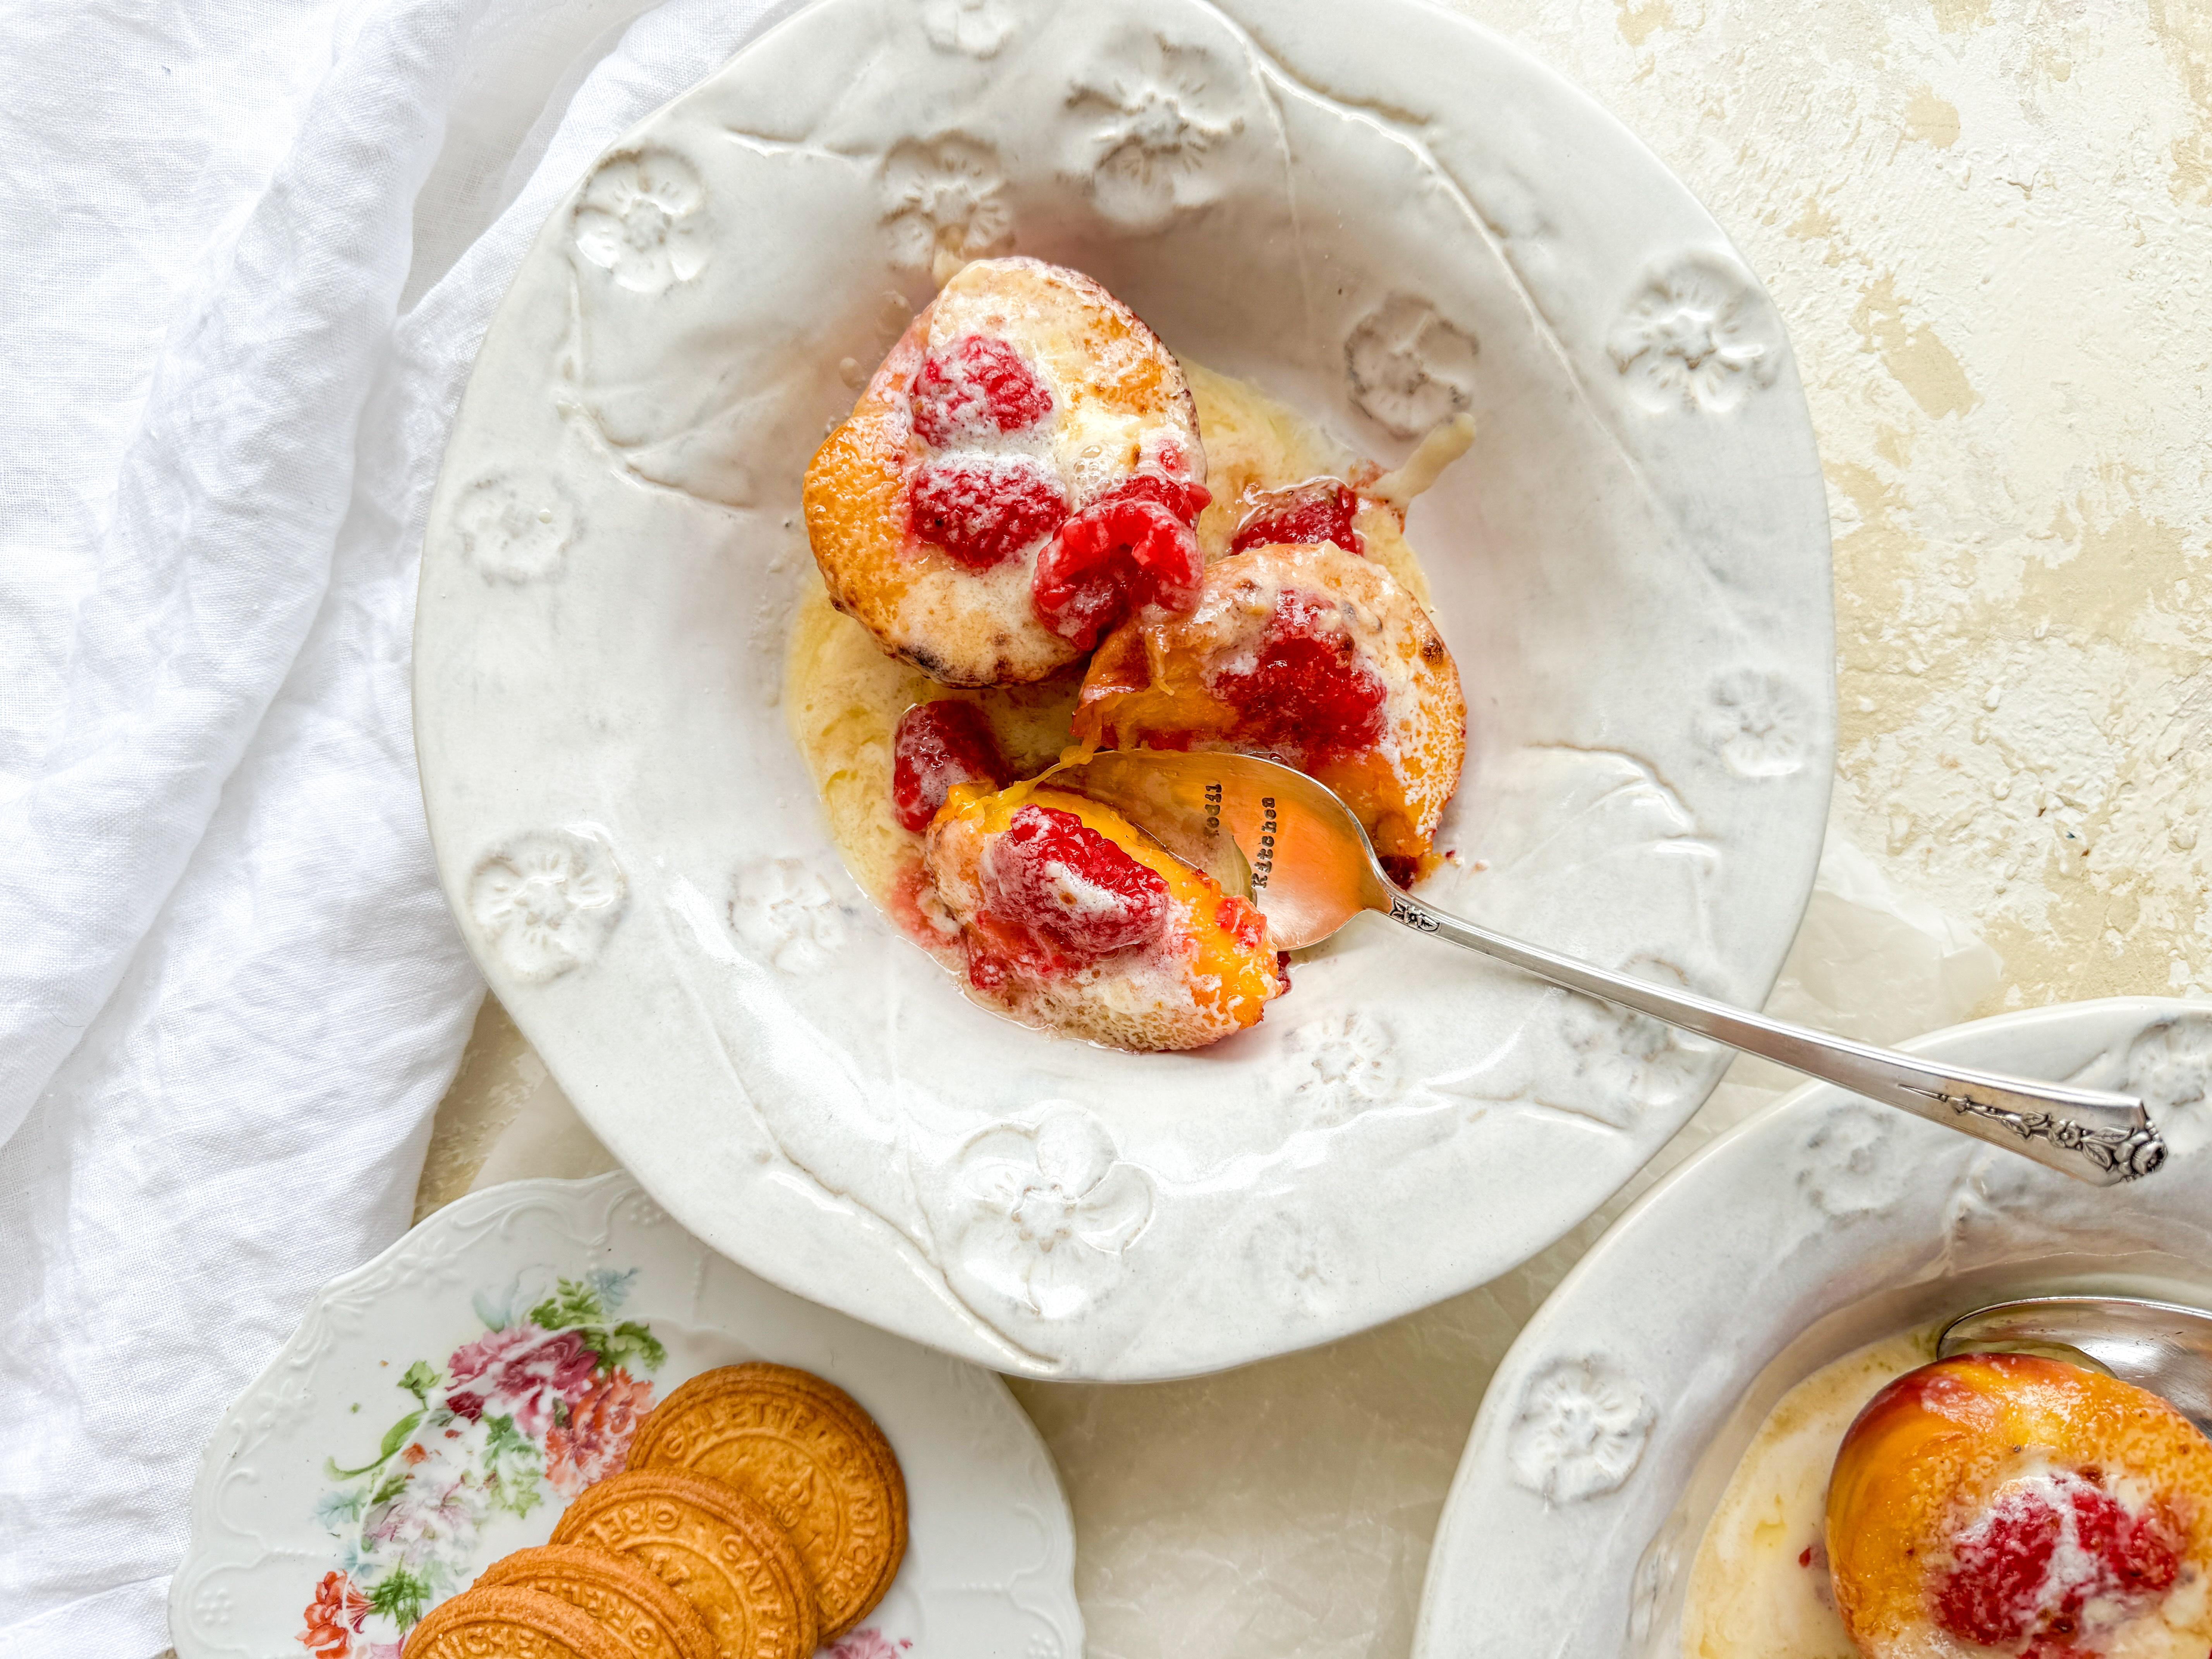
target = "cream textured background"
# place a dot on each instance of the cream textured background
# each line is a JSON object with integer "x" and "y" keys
{"x": 1988, "y": 226}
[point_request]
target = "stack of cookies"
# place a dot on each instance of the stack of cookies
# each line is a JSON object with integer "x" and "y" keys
{"x": 760, "y": 1514}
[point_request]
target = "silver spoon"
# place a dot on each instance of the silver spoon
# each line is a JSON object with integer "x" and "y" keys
{"x": 1258, "y": 827}
{"x": 2157, "y": 1345}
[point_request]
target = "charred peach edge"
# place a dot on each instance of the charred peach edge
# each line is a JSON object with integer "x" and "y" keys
{"x": 1246, "y": 978}
{"x": 1943, "y": 1431}
{"x": 1112, "y": 358}
{"x": 854, "y": 517}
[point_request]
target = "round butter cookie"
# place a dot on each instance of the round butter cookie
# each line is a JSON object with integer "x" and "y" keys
{"x": 1022, "y": 473}
{"x": 650, "y": 1619}
{"x": 805, "y": 1451}
{"x": 505, "y": 1622}
{"x": 716, "y": 1547}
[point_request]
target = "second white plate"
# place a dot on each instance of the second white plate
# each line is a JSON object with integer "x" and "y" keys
{"x": 1823, "y": 1224}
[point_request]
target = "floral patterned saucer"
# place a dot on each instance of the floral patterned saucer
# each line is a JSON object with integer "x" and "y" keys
{"x": 439, "y": 1406}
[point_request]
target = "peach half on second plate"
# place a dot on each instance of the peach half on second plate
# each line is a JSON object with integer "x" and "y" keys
{"x": 2008, "y": 1504}
{"x": 1311, "y": 654}
{"x": 1069, "y": 917}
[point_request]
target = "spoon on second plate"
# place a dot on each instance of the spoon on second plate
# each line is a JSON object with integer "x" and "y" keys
{"x": 1258, "y": 827}
{"x": 2158, "y": 1345}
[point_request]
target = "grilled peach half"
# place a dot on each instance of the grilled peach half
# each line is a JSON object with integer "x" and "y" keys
{"x": 2005, "y": 1504}
{"x": 1071, "y": 919}
{"x": 1311, "y": 654}
{"x": 1021, "y": 473}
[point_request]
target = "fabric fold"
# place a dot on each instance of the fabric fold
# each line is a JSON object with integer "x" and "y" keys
{"x": 217, "y": 552}
{"x": 240, "y": 994}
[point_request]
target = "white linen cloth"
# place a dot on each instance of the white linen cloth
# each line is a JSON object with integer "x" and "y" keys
{"x": 230, "y": 993}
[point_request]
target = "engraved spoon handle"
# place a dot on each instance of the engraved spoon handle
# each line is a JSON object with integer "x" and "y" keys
{"x": 2102, "y": 1139}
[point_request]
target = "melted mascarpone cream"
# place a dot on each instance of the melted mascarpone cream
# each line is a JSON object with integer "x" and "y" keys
{"x": 1754, "y": 1593}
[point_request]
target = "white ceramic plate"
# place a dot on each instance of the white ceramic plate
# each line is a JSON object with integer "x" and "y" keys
{"x": 405, "y": 1438}
{"x": 1384, "y": 217}
{"x": 1823, "y": 1224}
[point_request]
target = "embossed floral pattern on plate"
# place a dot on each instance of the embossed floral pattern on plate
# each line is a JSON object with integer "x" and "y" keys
{"x": 547, "y": 901}
{"x": 784, "y": 909}
{"x": 1053, "y": 1209}
{"x": 515, "y": 528}
{"x": 1758, "y": 722}
{"x": 1595, "y": 1061}
{"x": 643, "y": 221}
{"x": 2170, "y": 1066}
{"x": 1621, "y": 1062}
{"x": 1341, "y": 1066}
{"x": 1150, "y": 125}
{"x": 1697, "y": 336}
{"x": 977, "y": 27}
{"x": 1850, "y": 1167}
{"x": 945, "y": 197}
{"x": 1581, "y": 1430}
{"x": 1410, "y": 366}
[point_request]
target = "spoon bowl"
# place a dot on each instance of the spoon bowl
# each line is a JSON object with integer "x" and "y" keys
{"x": 2160, "y": 1347}
{"x": 1265, "y": 830}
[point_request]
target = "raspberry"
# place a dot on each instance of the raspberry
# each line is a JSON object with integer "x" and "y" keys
{"x": 1307, "y": 692}
{"x": 1053, "y": 872}
{"x": 1304, "y": 515}
{"x": 2012, "y": 1578}
{"x": 904, "y": 904}
{"x": 2136, "y": 1555}
{"x": 1125, "y": 550}
{"x": 940, "y": 744}
{"x": 1244, "y": 919}
{"x": 987, "y": 968}
{"x": 1995, "y": 1591}
{"x": 983, "y": 512}
{"x": 973, "y": 387}
{"x": 997, "y": 948}
{"x": 1180, "y": 496}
